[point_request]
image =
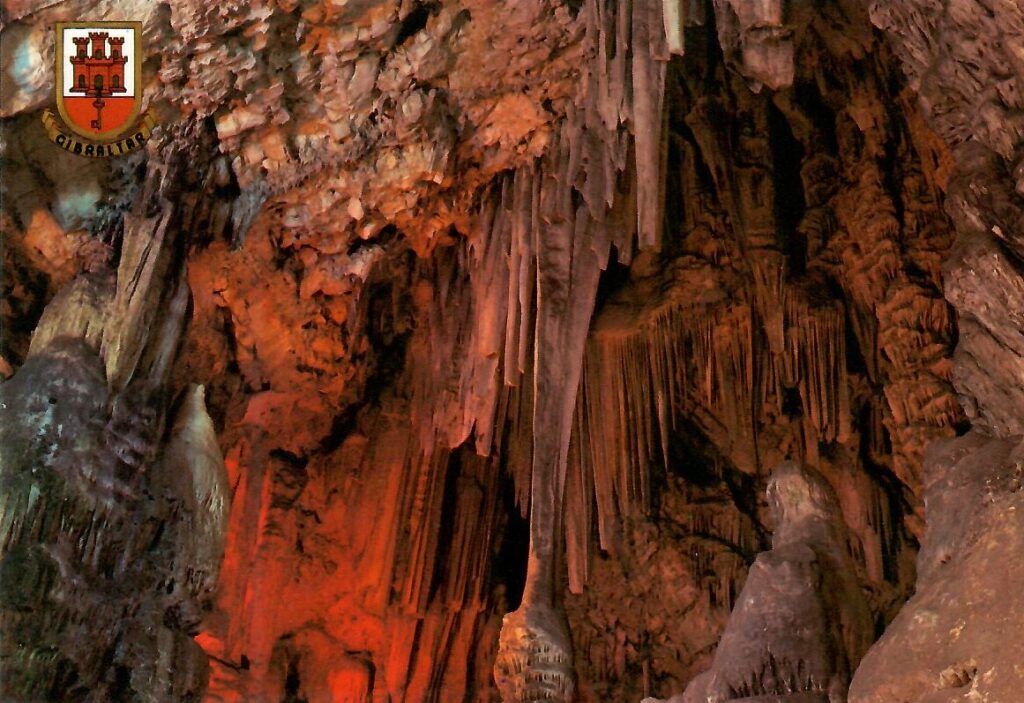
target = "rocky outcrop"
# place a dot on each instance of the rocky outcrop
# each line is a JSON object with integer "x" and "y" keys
{"x": 955, "y": 639}
{"x": 984, "y": 282}
{"x": 756, "y": 39}
{"x": 796, "y": 314}
{"x": 960, "y": 57}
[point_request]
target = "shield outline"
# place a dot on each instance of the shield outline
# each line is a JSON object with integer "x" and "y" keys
{"x": 109, "y": 135}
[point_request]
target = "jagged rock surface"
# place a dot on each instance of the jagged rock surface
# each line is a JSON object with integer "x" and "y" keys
{"x": 963, "y": 60}
{"x": 794, "y": 313}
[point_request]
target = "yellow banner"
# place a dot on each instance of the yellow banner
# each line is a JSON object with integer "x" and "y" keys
{"x": 132, "y": 142}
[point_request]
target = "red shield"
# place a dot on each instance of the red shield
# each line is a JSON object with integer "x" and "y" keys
{"x": 98, "y": 71}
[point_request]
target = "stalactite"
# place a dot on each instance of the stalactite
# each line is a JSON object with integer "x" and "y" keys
{"x": 817, "y": 350}
{"x": 571, "y": 247}
{"x": 771, "y": 294}
{"x": 533, "y": 270}
{"x": 677, "y": 15}
{"x": 695, "y": 358}
{"x": 568, "y": 269}
{"x": 683, "y": 356}
{"x": 579, "y": 490}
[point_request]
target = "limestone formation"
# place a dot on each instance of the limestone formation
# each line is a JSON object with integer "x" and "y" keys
{"x": 953, "y": 640}
{"x": 960, "y": 57}
{"x": 801, "y": 624}
{"x": 449, "y": 314}
{"x": 534, "y": 660}
{"x": 112, "y": 536}
{"x": 757, "y": 38}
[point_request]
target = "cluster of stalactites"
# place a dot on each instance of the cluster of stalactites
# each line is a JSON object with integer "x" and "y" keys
{"x": 701, "y": 364}
{"x": 548, "y": 227}
{"x": 588, "y": 162}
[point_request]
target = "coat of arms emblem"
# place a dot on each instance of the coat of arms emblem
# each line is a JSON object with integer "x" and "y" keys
{"x": 99, "y": 89}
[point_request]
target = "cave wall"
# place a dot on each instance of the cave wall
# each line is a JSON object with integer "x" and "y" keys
{"x": 963, "y": 61}
{"x": 415, "y": 224}
{"x": 115, "y": 494}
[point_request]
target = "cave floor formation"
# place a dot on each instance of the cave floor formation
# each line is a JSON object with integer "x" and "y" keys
{"x": 519, "y": 350}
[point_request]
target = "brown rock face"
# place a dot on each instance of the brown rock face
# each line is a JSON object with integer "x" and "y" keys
{"x": 954, "y": 640}
{"x": 444, "y": 351}
{"x": 795, "y": 314}
{"x": 951, "y": 641}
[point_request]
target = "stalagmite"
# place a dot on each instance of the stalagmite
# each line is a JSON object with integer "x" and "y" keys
{"x": 192, "y": 467}
{"x": 117, "y": 532}
{"x": 801, "y": 624}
